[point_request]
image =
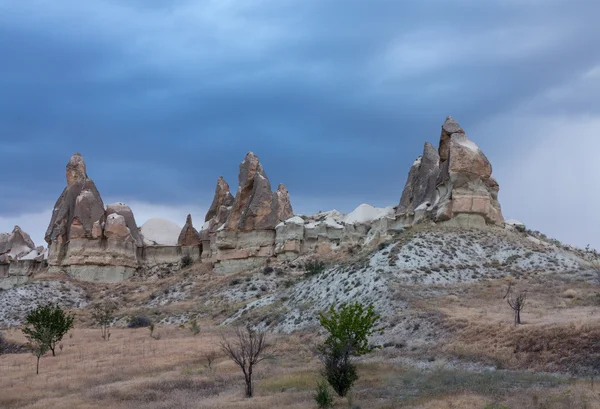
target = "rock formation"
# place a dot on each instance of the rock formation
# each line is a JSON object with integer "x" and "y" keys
{"x": 77, "y": 209}
{"x": 222, "y": 198}
{"x": 189, "y": 236}
{"x": 419, "y": 194}
{"x": 86, "y": 241}
{"x": 255, "y": 206}
{"x": 241, "y": 234}
{"x": 19, "y": 258}
{"x": 123, "y": 210}
{"x": 454, "y": 186}
{"x": 15, "y": 245}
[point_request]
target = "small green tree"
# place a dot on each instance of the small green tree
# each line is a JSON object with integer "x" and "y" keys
{"x": 103, "y": 316}
{"x": 47, "y": 325}
{"x": 38, "y": 348}
{"x": 349, "y": 328}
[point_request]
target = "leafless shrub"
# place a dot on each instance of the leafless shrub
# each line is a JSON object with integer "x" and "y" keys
{"x": 517, "y": 302}
{"x": 248, "y": 348}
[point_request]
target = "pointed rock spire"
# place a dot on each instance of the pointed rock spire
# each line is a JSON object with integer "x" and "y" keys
{"x": 449, "y": 128}
{"x": 189, "y": 236}
{"x": 223, "y": 197}
{"x": 256, "y": 207}
{"x": 284, "y": 206}
{"x": 420, "y": 185}
{"x": 78, "y": 207}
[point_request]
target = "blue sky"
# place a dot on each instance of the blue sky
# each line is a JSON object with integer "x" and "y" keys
{"x": 336, "y": 97}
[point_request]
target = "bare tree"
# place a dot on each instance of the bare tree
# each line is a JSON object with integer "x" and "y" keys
{"x": 517, "y": 303}
{"x": 247, "y": 349}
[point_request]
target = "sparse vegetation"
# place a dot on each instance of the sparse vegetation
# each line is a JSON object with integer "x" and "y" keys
{"x": 517, "y": 303}
{"x": 186, "y": 261}
{"x": 314, "y": 267}
{"x": 349, "y": 329}
{"x": 247, "y": 350}
{"x": 139, "y": 321}
{"x": 194, "y": 327}
{"x": 45, "y": 326}
{"x": 103, "y": 316}
{"x": 323, "y": 396}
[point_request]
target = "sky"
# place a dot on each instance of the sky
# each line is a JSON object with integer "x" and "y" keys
{"x": 336, "y": 97}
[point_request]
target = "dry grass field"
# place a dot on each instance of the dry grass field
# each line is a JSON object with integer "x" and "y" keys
{"x": 132, "y": 370}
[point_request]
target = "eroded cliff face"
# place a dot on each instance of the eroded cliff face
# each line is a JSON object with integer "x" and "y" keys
{"x": 453, "y": 185}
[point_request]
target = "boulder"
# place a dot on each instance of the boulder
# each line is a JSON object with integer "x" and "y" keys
{"x": 189, "y": 236}
{"x": 116, "y": 228}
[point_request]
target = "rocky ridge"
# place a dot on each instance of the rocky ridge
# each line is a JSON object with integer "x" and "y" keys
{"x": 452, "y": 184}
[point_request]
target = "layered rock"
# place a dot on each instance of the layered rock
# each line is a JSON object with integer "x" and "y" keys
{"x": 247, "y": 235}
{"x": 255, "y": 206}
{"x": 19, "y": 258}
{"x": 85, "y": 240}
{"x": 454, "y": 185}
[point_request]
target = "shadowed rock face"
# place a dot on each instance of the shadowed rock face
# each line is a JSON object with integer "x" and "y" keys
{"x": 457, "y": 183}
{"x": 256, "y": 207}
{"x": 189, "y": 236}
{"x": 419, "y": 190}
{"x": 78, "y": 207}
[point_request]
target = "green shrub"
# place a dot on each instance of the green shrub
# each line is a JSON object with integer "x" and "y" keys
{"x": 323, "y": 396}
{"x": 186, "y": 261}
{"x": 314, "y": 267}
{"x": 194, "y": 327}
{"x": 139, "y": 321}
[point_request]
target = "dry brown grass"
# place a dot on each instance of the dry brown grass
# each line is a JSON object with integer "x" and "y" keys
{"x": 132, "y": 370}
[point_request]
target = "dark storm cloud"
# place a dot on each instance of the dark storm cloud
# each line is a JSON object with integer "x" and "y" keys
{"x": 336, "y": 97}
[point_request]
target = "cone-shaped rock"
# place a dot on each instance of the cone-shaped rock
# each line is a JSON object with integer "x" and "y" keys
{"x": 223, "y": 197}
{"x": 189, "y": 236}
{"x": 78, "y": 207}
{"x": 255, "y": 207}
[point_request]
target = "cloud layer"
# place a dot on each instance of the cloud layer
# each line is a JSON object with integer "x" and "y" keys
{"x": 335, "y": 97}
